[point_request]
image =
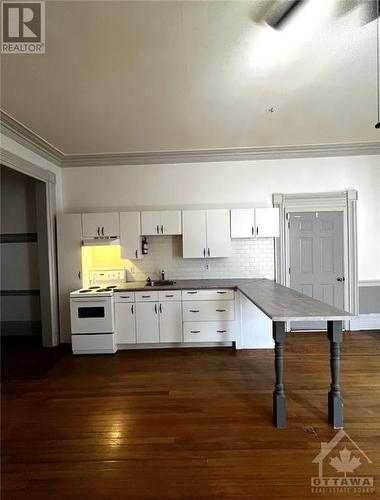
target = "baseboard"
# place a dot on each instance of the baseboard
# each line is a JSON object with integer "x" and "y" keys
{"x": 366, "y": 322}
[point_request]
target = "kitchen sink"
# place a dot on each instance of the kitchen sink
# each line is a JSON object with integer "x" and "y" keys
{"x": 160, "y": 283}
{"x": 154, "y": 283}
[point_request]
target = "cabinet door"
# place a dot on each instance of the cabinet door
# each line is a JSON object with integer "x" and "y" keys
{"x": 130, "y": 231}
{"x": 194, "y": 233}
{"x": 150, "y": 223}
{"x": 218, "y": 233}
{"x": 147, "y": 330}
{"x": 170, "y": 321}
{"x": 171, "y": 222}
{"x": 243, "y": 223}
{"x": 100, "y": 224}
{"x": 267, "y": 222}
{"x": 69, "y": 238}
{"x": 125, "y": 323}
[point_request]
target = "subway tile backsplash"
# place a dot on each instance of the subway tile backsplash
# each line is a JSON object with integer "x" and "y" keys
{"x": 250, "y": 259}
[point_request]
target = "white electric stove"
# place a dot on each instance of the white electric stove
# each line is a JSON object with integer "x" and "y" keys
{"x": 92, "y": 313}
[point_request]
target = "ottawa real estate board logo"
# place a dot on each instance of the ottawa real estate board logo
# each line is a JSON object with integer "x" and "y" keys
{"x": 23, "y": 27}
{"x": 339, "y": 463}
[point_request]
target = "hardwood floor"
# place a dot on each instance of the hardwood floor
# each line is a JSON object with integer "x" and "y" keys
{"x": 181, "y": 424}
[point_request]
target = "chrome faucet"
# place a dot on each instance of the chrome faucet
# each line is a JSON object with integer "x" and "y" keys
{"x": 163, "y": 275}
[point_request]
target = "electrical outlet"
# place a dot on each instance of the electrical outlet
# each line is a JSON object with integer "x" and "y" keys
{"x": 207, "y": 267}
{"x": 132, "y": 269}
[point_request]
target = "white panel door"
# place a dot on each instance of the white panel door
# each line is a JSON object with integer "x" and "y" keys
{"x": 170, "y": 321}
{"x": 125, "y": 323}
{"x": 171, "y": 222}
{"x": 147, "y": 329}
{"x": 130, "y": 231}
{"x": 150, "y": 223}
{"x": 100, "y": 224}
{"x": 243, "y": 223}
{"x": 267, "y": 222}
{"x": 194, "y": 233}
{"x": 69, "y": 238}
{"x": 218, "y": 233}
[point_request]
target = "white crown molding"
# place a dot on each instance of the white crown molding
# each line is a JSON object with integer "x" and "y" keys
{"x": 26, "y": 137}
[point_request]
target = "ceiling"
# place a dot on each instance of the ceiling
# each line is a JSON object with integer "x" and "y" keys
{"x": 124, "y": 76}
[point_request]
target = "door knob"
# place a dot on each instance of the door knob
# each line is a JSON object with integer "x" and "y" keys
{"x": 340, "y": 278}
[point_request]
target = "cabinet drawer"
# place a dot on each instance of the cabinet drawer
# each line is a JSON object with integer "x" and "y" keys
{"x": 210, "y": 331}
{"x": 208, "y": 310}
{"x": 125, "y": 297}
{"x": 208, "y": 294}
{"x": 148, "y": 296}
{"x": 168, "y": 295}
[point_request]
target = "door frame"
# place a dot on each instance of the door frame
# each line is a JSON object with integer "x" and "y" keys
{"x": 46, "y": 212}
{"x": 337, "y": 201}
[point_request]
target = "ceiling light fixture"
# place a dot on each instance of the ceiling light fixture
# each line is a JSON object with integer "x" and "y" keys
{"x": 378, "y": 64}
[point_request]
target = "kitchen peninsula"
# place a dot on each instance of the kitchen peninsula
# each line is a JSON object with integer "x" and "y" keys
{"x": 280, "y": 304}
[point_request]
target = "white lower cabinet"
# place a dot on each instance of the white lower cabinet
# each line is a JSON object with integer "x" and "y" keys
{"x": 125, "y": 323}
{"x": 147, "y": 323}
{"x": 209, "y": 331}
{"x": 170, "y": 319}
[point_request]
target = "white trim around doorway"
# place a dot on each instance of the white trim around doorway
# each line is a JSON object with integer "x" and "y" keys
{"x": 341, "y": 201}
{"x": 46, "y": 206}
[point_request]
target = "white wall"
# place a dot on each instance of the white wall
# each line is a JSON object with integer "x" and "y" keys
{"x": 233, "y": 183}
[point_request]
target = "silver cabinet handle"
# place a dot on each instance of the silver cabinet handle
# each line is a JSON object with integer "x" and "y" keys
{"x": 162, "y": 229}
{"x": 79, "y": 274}
{"x": 208, "y": 252}
{"x": 191, "y": 293}
{"x": 98, "y": 231}
{"x": 253, "y": 230}
{"x": 145, "y": 296}
{"x": 132, "y": 309}
{"x": 220, "y": 310}
{"x": 221, "y": 292}
{"x": 158, "y": 229}
{"x": 221, "y": 331}
{"x": 169, "y": 295}
{"x": 257, "y": 230}
{"x": 155, "y": 308}
{"x": 103, "y": 231}
{"x": 204, "y": 252}
{"x": 136, "y": 254}
{"x": 124, "y": 296}
{"x": 160, "y": 308}
{"x": 195, "y": 331}
{"x": 194, "y": 310}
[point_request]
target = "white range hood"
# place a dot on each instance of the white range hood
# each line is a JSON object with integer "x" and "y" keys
{"x": 105, "y": 241}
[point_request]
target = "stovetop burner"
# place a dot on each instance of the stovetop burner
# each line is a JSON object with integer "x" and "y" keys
{"x": 86, "y": 290}
{"x": 93, "y": 287}
{"x": 103, "y": 290}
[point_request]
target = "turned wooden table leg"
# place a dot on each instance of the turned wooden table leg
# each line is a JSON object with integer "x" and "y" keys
{"x": 279, "y": 399}
{"x": 335, "y": 401}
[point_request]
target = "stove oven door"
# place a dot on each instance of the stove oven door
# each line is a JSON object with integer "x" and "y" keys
{"x": 92, "y": 315}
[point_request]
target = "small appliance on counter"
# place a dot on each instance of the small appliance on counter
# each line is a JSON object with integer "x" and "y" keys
{"x": 92, "y": 313}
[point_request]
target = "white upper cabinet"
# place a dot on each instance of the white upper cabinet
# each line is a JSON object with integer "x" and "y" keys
{"x": 150, "y": 223}
{"x": 267, "y": 222}
{"x": 194, "y": 234}
{"x": 163, "y": 222}
{"x": 243, "y": 223}
{"x": 206, "y": 233}
{"x": 100, "y": 224}
{"x": 254, "y": 222}
{"x": 130, "y": 235}
{"x": 218, "y": 233}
